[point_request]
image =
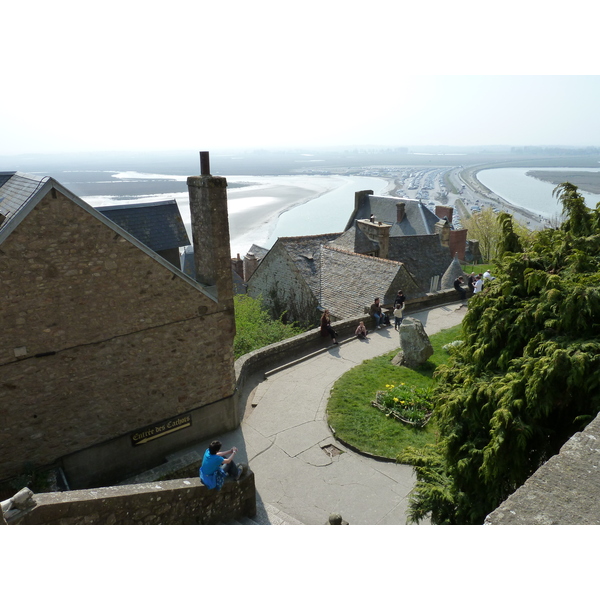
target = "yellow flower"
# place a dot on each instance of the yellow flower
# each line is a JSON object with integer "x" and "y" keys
{"x": 395, "y": 399}
{"x": 401, "y": 384}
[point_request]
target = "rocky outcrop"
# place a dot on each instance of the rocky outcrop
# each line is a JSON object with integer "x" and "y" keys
{"x": 414, "y": 343}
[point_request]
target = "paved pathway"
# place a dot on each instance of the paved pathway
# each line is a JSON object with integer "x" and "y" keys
{"x": 291, "y": 450}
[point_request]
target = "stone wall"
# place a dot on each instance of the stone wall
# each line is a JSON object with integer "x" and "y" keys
{"x": 283, "y": 288}
{"x": 563, "y": 491}
{"x": 290, "y": 349}
{"x": 100, "y": 338}
{"x": 174, "y": 502}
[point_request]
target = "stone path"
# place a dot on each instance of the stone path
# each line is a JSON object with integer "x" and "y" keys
{"x": 300, "y": 469}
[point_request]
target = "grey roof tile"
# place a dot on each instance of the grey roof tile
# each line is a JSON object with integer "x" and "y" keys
{"x": 418, "y": 220}
{"x": 258, "y": 251}
{"x": 354, "y": 240}
{"x": 15, "y": 190}
{"x": 350, "y": 282}
{"x": 158, "y": 225}
{"x": 423, "y": 255}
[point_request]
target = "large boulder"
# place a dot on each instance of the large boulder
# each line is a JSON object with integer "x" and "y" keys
{"x": 414, "y": 343}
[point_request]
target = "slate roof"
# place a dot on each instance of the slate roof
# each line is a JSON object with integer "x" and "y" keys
{"x": 351, "y": 282}
{"x": 355, "y": 240}
{"x": 258, "y": 251}
{"x": 15, "y": 190}
{"x": 423, "y": 255}
{"x": 305, "y": 251}
{"x": 418, "y": 219}
{"x": 158, "y": 225}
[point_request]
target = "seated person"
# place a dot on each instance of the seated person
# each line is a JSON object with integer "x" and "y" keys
{"x": 458, "y": 287}
{"x": 215, "y": 467}
{"x": 361, "y": 331}
{"x": 378, "y": 314}
{"x": 326, "y": 328}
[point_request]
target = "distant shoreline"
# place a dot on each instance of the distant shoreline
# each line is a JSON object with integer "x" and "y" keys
{"x": 588, "y": 181}
{"x": 469, "y": 176}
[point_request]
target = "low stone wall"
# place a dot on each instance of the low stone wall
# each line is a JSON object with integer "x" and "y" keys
{"x": 173, "y": 502}
{"x": 563, "y": 491}
{"x": 292, "y": 348}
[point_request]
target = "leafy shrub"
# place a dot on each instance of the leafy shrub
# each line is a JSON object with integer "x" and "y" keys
{"x": 255, "y": 328}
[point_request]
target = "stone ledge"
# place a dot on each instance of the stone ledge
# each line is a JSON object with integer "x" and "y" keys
{"x": 563, "y": 491}
{"x": 174, "y": 502}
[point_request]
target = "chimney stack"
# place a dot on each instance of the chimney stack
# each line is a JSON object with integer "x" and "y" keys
{"x": 400, "y": 211}
{"x": 250, "y": 264}
{"x": 210, "y": 231}
{"x": 444, "y": 212}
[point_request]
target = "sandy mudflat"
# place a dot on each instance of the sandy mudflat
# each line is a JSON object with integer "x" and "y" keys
{"x": 254, "y": 210}
{"x": 588, "y": 181}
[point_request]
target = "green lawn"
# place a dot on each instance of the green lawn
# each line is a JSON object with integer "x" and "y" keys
{"x": 361, "y": 425}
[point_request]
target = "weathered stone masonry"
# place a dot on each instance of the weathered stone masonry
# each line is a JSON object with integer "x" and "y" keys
{"x": 99, "y": 337}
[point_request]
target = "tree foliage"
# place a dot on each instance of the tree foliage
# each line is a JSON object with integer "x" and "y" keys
{"x": 527, "y": 376}
{"x": 255, "y": 328}
{"x": 488, "y": 227}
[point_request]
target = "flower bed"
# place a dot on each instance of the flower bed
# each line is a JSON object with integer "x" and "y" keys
{"x": 406, "y": 404}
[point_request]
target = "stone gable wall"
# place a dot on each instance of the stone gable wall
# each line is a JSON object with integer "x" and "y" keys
{"x": 283, "y": 288}
{"x": 99, "y": 339}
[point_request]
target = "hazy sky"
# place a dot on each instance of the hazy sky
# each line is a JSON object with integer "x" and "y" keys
{"x": 126, "y": 75}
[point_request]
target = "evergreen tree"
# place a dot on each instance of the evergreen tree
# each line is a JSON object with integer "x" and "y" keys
{"x": 527, "y": 376}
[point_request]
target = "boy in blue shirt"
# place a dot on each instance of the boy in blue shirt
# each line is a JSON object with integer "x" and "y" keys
{"x": 215, "y": 467}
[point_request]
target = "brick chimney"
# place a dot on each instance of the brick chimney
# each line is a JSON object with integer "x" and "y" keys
{"x": 238, "y": 265}
{"x": 250, "y": 264}
{"x": 400, "y": 211}
{"x": 446, "y": 212}
{"x": 210, "y": 231}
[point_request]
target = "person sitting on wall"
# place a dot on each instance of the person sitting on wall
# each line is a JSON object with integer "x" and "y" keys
{"x": 361, "y": 331}
{"x": 487, "y": 275}
{"x": 379, "y": 314}
{"x": 326, "y": 328}
{"x": 215, "y": 467}
{"x": 458, "y": 287}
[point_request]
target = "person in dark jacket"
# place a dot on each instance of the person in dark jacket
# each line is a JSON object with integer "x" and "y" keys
{"x": 458, "y": 287}
{"x": 326, "y": 328}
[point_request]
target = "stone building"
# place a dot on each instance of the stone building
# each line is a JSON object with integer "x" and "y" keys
{"x": 405, "y": 246}
{"x": 110, "y": 357}
{"x": 400, "y": 220}
{"x": 288, "y": 278}
{"x": 303, "y": 275}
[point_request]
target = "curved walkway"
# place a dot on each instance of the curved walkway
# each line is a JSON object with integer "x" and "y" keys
{"x": 300, "y": 469}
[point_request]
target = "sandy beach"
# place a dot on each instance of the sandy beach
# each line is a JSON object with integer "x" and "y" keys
{"x": 255, "y": 203}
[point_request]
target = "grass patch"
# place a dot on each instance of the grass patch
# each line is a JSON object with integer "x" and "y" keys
{"x": 356, "y": 422}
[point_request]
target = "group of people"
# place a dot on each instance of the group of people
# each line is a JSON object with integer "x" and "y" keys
{"x": 376, "y": 311}
{"x": 380, "y": 316}
{"x": 475, "y": 283}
